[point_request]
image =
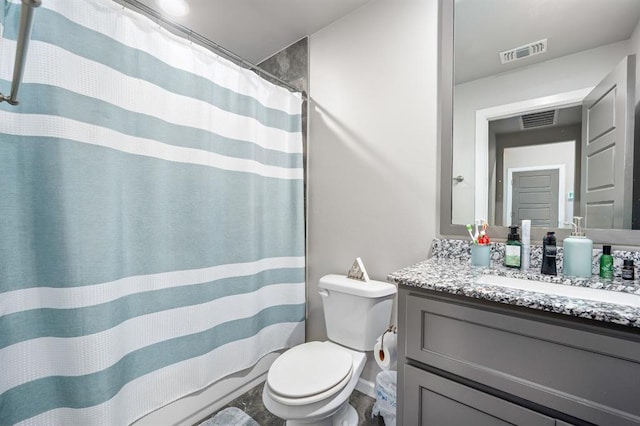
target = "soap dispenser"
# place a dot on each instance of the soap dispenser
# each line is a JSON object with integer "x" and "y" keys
{"x": 513, "y": 249}
{"x": 578, "y": 253}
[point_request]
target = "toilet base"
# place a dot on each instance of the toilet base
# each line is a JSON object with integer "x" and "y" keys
{"x": 345, "y": 416}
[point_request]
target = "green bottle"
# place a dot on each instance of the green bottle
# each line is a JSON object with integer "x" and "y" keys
{"x": 606, "y": 263}
{"x": 513, "y": 249}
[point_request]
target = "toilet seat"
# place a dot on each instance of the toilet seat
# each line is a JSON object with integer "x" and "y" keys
{"x": 309, "y": 373}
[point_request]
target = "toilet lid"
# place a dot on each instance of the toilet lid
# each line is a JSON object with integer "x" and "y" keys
{"x": 309, "y": 369}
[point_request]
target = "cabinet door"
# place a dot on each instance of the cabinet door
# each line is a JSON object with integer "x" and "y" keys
{"x": 586, "y": 372}
{"x": 432, "y": 400}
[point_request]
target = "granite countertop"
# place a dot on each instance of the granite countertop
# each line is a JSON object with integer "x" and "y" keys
{"x": 449, "y": 270}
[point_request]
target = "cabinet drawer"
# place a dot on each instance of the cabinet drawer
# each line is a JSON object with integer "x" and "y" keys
{"x": 579, "y": 371}
{"x": 435, "y": 401}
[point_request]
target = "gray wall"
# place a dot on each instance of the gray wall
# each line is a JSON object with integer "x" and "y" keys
{"x": 373, "y": 151}
{"x": 372, "y": 146}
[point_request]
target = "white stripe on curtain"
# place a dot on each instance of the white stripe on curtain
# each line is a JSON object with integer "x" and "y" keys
{"x": 151, "y": 214}
{"x": 76, "y": 297}
{"x": 59, "y": 127}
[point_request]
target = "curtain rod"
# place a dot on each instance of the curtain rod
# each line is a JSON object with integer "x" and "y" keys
{"x": 202, "y": 40}
{"x": 24, "y": 33}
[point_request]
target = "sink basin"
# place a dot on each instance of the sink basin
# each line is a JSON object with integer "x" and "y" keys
{"x": 606, "y": 296}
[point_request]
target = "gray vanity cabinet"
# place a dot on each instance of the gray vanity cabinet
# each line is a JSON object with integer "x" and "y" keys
{"x": 464, "y": 361}
{"x": 434, "y": 400}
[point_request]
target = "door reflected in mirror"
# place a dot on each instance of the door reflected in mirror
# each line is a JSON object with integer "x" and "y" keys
{"x": 543, "y": 113}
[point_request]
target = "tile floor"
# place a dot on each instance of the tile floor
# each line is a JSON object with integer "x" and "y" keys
{"x": 251, "y": 403}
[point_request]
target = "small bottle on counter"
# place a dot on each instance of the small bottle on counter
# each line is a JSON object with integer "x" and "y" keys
{"x": 628, "y": 272}
{"x": 606, "y": 263}
{"x": 526, "y": 244}
{"x": 549, "y": 252}
{"x": 513, "y": 249}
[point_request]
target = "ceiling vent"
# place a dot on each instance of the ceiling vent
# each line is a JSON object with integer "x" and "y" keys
{"x": 539, "y": 119}
{"x": 525, "y": 51}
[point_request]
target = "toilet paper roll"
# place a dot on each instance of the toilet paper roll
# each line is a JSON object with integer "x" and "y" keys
{"x": 386, "y": 354}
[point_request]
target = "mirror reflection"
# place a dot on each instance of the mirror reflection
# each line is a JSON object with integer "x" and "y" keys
{"x": 543, "y": 112}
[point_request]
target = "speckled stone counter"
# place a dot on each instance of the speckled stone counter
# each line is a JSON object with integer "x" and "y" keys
{"x": 449, "y": 270}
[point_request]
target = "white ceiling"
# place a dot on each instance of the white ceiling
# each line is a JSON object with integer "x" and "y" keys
{"x": 256, "y": 29}
{"x": 486, "y": 27}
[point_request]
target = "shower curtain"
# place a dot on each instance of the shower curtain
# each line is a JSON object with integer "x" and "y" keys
{"x": 151, "y": 217}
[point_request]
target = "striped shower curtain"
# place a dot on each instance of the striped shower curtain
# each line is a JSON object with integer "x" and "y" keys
{"x": 151, "y": 218}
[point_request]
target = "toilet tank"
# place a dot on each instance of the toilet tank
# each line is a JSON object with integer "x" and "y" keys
{"x": 356, "y": 312}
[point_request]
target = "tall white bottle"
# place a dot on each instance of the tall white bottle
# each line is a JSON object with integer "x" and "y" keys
{"x": 526, "y": 244}
{"x": 577, "y": 258}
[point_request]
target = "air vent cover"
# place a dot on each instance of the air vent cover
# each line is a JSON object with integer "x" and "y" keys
{"x": 539, "y": 119}
{"x": 525, "y": 51}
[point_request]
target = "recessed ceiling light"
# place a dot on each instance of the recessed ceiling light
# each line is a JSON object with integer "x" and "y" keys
{"x": 174, "y": 7}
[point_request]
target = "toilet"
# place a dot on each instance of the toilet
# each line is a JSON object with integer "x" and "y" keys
{"x": 310, "y": 384}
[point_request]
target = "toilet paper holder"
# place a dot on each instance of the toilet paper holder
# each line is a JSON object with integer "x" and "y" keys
{"x": 391, "y": 329}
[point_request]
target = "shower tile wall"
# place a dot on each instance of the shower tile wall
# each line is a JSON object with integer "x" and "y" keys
{"x": 291, "y": 64}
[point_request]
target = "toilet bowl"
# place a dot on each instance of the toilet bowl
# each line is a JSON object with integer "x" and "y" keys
{"x": 311, "y": 383}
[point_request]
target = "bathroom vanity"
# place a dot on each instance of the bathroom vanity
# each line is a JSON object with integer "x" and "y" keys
{"x": 474, "y": 351}
{"x": 498, "y": 346}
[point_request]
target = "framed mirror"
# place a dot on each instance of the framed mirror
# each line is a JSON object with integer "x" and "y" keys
{"x": 532, "y": 126}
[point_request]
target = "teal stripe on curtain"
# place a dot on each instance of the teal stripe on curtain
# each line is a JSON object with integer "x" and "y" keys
{"x": 96, "y": 388}
{"x": 36, "y": 323}
{"x": 136, "y": 63}
{"x": 115, "y": 206}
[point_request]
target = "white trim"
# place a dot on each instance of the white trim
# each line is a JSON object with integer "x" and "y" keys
{"x": 483, "y": 116}
{"x": 366, "y": 387}
{"x": 507, "y": 189}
